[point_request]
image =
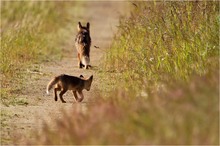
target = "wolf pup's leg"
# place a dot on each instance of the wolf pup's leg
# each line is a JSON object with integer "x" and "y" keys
{"x": 55, "y": 93}
{"x": 61, "y": 95}
{"x": 57, "y": 88}
{"x": 75, "y": 95}
{"x": 81, "y": 95}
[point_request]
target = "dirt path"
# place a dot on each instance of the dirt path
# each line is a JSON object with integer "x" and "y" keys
{"x": 103, "y": 18}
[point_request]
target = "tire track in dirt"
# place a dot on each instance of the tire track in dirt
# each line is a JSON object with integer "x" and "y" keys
{"x": 103, "y": 18}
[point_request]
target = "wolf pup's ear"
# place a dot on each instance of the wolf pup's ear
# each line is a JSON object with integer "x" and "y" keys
{"x": 79, "y": 26}
{"x": 88, "y": 25}
{"x": 81, "y": 76}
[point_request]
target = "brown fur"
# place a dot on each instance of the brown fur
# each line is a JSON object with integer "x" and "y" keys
{"x": 83, "y": 44}
{"x": 65, "y": 82}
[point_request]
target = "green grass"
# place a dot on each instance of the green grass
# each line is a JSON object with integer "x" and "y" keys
{"x": 163, "y": 41}
{"x": 160, "y": 81}
{"x": 31, "y": 33}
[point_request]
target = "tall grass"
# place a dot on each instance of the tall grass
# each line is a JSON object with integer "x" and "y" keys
{"x": 163, "y": 67}
{"x": 163, "y": 41}
{"x": 30, "y": 33}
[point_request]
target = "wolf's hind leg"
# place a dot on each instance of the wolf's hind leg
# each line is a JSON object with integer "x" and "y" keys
{"x": 61, "y": 95}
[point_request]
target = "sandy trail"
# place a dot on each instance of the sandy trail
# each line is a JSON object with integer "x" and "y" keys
{"x": 103, "y": 18}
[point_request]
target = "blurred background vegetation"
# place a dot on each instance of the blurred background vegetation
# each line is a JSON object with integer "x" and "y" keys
{"x": 31, "y": 33}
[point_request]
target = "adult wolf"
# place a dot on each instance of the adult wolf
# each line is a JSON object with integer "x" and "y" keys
{"x": 65, "y": 82}
{"x": 83, "y": 43}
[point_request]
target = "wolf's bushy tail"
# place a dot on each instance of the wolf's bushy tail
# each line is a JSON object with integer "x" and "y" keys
{"x": 51, "y": 84}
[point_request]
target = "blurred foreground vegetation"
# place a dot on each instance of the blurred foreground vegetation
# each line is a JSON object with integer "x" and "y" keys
{"x": 160, "y": 81}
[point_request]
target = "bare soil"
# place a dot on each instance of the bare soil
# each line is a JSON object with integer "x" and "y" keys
{"x": 41, "y": 108}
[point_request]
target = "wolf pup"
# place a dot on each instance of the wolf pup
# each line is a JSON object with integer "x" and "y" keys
{"x": 83, "y": 43}
{"x": 65, "y": 82}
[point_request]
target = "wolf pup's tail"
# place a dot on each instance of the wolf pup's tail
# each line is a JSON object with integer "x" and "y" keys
{"x": 51, "y": 84}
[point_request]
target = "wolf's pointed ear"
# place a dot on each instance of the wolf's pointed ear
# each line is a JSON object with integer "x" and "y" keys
{"x": 79, "y": 26}
{"x": 88, "y": 25}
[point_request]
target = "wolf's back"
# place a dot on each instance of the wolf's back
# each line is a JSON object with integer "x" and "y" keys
{"x": 52, "y": 83}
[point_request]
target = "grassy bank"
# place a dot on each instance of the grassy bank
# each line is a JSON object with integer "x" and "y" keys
{"x": 31, "y": 33}
{"x": 162, "y": 79}
{"x": 163, "y": 42}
